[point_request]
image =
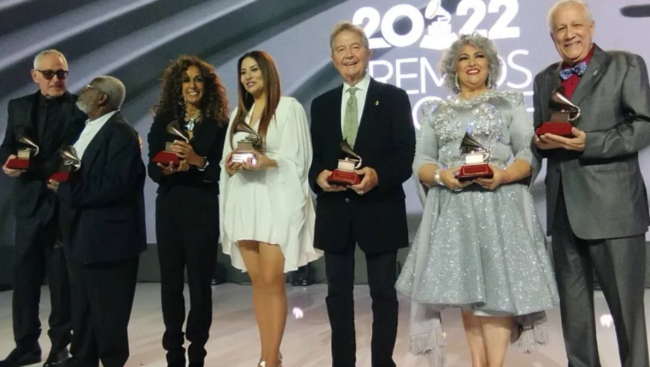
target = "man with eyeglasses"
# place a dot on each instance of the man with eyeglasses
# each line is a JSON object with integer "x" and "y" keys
{"x": 107, "y": 233}
{"x": 50, "y": 119}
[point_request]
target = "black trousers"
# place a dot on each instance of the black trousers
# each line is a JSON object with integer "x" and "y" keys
{"x": 619, "y": 265}
{"x": 382, "y": 275}
{"x": 187, "y": 229}
{"x": 102, "y": 298}
{"x": 38, "y": 252}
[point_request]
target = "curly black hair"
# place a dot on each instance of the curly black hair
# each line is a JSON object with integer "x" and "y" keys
{"x": 214, "y": 104}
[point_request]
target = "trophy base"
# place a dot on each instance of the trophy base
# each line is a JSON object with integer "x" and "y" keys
{"x": 18, "y": 163}
{"x": 242, "y": 157}
{"x": 472, "y": 171}
{"x": 343, "y": 178}
{"x": 166, "y": 158}
{"x": 60, "y": 176}
{"x": 555, "y": 128}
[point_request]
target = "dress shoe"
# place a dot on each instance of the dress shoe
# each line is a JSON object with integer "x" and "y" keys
{"x": 57, "y": 359}
{"x": 19, "y": 358}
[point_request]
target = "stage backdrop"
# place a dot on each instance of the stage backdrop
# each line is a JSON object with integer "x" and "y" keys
{"x": 135, "y": 39}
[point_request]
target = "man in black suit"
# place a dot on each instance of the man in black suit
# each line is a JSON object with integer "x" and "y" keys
{"x": 104, "y": 201}
{"x": 375, "y": 119}
{"x": 50, "y": 119}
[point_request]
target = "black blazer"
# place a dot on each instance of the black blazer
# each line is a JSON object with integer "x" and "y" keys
{"x": 386, "y": 142}
{"x": 107, "y": 197}
{"x": 209, "y": 136}
{"x": 30, "y": 189}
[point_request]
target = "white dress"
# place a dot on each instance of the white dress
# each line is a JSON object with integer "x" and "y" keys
{"x": 272, "y": 205}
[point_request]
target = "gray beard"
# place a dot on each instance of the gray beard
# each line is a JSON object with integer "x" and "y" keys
{"x": 82, "y": 106}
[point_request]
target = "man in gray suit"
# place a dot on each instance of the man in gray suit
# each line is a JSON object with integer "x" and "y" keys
{"x": 597, "y": 205}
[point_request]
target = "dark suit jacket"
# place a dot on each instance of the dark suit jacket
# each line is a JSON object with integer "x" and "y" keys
{"x": 603, "y": 186}
{"x": 386, "y": 143}
{"x": 30, "y": 189}
{"x": 107, "y": 197}
{"x": 208, "y": 141}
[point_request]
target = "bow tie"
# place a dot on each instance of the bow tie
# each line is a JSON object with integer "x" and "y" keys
{"x": 577, "y": 69}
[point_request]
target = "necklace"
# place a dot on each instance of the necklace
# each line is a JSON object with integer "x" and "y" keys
{"x": 190, "y": 122}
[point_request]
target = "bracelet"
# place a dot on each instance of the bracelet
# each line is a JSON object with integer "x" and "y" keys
{"x": 436, "y": 177}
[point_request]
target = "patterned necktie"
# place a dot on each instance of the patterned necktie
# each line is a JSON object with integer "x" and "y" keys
{"x": 577, "y": 69}
{"x": 351, "y": 123}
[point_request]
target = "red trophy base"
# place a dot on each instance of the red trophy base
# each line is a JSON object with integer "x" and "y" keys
{"x": 343, "y": 178}
{"x": 472, "y": 171}
{"x": 18, "y": 163}
{"x": 60, "y": 176}
{"x": 166, "y": 158}
{"x": 555, "y": 128}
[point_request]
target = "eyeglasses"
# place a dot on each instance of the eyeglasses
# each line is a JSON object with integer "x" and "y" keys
{"x": 49, "y": 74}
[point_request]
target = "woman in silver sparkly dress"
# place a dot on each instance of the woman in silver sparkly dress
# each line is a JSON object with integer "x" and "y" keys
{"x": 480, "y": 246}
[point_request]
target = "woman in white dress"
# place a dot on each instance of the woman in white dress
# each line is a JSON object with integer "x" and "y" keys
{"x": 267, "y": 216}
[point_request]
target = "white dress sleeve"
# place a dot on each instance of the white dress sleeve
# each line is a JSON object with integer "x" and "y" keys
{"x": 223, "y": 179}
{"x": 289, "y": 188}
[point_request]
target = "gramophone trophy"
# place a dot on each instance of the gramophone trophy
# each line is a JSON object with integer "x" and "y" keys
{"x": 475, "y": 156}
{"x": 29, "y": 150}
{"x": 345, "y": 174}
{"x": 70, "y": 163}
{"x": 563, "y": 112}
{"x": 168, "y": 156}
{"x": 244, "y": 151}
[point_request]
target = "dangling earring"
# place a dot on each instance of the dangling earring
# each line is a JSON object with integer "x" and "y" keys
{"x": 488, "y": 82}
{"x": 457, "y": 84}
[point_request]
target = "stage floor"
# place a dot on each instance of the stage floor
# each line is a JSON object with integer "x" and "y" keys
{"x": 234, "y": 339}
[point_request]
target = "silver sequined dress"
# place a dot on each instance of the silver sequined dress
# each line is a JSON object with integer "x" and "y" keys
{"x": 477, "y": 249}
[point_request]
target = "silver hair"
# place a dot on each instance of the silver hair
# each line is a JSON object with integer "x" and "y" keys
{"x": 450, "y": 59}
{"x": 113, "y": 88}
{"x": 348, "y": 26}
{"x": 561, "y": 4}
{"x": 37, "y": 58}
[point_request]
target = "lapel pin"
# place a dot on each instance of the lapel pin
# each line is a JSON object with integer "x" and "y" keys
{"x": 596, "y": 72}
{"x": 376, "y": 103}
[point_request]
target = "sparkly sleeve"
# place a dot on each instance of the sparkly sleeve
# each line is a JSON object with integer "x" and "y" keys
{"x": 426, "y": 148}
{"x": 520, "y": 128}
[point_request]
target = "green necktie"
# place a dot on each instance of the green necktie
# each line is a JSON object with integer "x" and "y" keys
{"x": 351, "y": 123}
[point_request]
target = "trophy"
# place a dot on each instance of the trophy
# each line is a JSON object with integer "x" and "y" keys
{"x": 244, "y": 151}
{"x": 344, "y": 175}
{"x": 70, "y": 163}
{"x": 29, "y": 150}
{"x": 475, "y": 156}
{"x": 168, "y": 156}
{"x": 561, "y": 118}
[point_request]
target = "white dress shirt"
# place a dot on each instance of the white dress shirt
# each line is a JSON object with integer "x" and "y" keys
{"x": 361, "y": 94}
{"x": 89, "y": 132}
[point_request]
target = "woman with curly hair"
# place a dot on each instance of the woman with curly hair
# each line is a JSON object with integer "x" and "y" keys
{"x": 480, "y": 246}
{"x": 187, "y": 206}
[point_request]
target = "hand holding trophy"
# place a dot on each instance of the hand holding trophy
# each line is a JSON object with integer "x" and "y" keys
{"x": 244, "y": 151}
{"x": 475, "y": 156}
{"x": 563, "y": 113}
{"x": 23, "y": 156}
{"x": 70, "y": 163}
{"x": 345, "y": 174}
{"x": 168, "y": 156}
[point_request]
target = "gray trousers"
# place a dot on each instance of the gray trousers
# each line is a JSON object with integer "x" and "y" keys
{"x": 619, "y": 265}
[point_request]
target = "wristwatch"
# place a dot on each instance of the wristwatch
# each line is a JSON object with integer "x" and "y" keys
{"x": 436, "y": 177}
{"x": 205, "y": 159}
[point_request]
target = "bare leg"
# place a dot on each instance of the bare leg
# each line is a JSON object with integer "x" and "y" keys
{"x": 475, "y": 339}
{"x": 272, "y": 279}
{"x": 251, "y": 257}
{"x": 496, "y": 331}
